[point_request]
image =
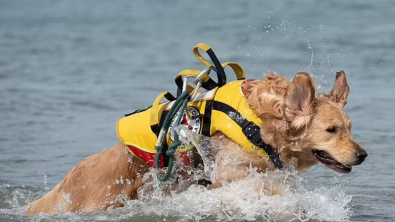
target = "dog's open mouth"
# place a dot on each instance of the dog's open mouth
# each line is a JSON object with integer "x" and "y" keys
{"x": 324, "y": 158}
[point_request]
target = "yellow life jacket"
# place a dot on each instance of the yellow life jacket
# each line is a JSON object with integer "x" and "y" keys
{"x": 223, "y": 109}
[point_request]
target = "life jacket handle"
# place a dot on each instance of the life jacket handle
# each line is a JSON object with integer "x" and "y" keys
{"x": 216, "y": 66}
{"x": 205, "y": 79}
{"x": 239, "y": 72}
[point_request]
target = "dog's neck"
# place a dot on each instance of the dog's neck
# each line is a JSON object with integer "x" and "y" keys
{"x": 266, "y": 98}
{"x": 290, "y": 148}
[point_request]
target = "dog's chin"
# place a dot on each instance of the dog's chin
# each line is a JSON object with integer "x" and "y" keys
{"x": 331, "y": 163}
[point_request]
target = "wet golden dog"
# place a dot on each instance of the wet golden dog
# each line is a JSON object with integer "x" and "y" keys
{"x": 306, "y": 129}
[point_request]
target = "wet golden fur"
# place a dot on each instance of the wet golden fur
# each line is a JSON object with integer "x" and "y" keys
{"x": 295, "y": 122}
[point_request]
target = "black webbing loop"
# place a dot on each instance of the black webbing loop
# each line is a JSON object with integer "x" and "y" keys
{"x": 217, "y": 68}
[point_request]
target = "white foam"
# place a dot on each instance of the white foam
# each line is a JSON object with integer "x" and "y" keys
{"x": 244, "y": 200}
{"x": 240, "y": 200}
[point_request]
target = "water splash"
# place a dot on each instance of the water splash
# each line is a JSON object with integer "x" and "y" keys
{"x": 240, "y": 200}
{"x": 244, "y": 200}
{"x": 206, "y": 147}
{"x": 180, "y": 199}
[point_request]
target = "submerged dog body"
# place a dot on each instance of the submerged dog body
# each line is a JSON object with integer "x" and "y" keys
{"x": 304, "y": 128}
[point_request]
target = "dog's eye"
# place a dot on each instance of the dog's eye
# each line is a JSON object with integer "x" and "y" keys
{"x": 331, "y": 129}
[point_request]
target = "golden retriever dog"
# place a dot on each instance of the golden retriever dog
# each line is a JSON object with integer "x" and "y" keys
{"x": 303, "y": 128}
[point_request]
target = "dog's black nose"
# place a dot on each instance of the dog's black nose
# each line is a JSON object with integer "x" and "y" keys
{"x": 361, "y": 155}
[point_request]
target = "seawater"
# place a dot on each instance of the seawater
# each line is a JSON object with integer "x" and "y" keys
{"x": 70, "y": 69}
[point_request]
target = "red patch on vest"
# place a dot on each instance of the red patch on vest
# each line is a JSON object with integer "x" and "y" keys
{"x": 243, "y": 86}
{"x": 148, "y": 158}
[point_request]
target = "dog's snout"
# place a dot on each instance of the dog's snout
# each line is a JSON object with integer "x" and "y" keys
{"x": 361, "y": 155}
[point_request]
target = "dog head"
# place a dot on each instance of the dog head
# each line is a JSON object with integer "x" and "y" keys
{"x": 321, "y": 125}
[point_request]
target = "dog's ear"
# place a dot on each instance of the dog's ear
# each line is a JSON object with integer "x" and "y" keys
{"x": 340, "y": 90}
{"x": 299, "y": 100}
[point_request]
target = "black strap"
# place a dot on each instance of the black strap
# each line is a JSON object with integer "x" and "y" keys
{"x": 217, "y": 68}
{"x": 210, "y": 83}
{"x": 207, "y": 118}
{"x": 250, "y": 130}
